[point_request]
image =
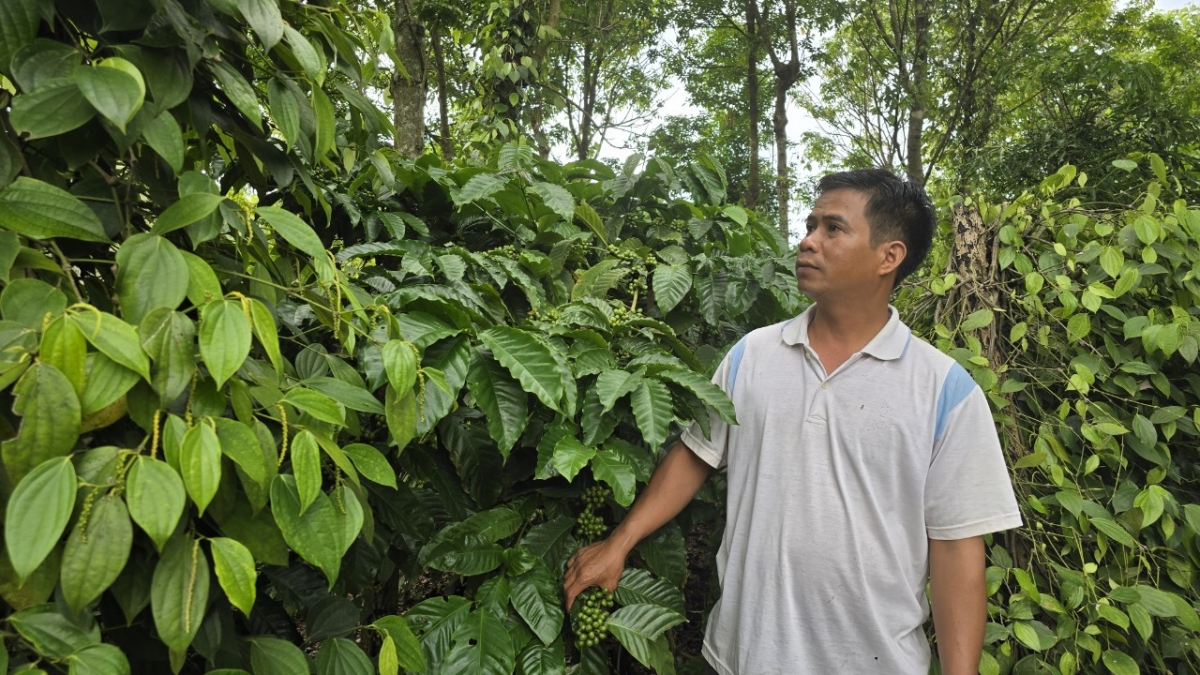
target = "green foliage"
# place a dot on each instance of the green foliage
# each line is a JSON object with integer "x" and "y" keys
{"x": 568, "y": 75}
{"x": 1134, "y": 83}
{"x": 261, "y": 379}
{"x": 1089, "y": 359}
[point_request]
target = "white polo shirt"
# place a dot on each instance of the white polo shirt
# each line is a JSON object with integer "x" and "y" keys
{"x": 836, "y": 482}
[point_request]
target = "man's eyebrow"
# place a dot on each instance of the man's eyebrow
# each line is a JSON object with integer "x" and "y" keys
{"x": 812, "y": 217}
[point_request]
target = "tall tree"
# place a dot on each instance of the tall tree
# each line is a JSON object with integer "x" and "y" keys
{"x": 789, "y": 45}
{"x": 712, "y": 58}
{"x": 905, "y": 34}
{"x": 605, "y": 69}
{"x": 441, "y": 21}
{"x": 564, "y": 73}
{"x": 915, "y": 83}
{"x": 787, "y": 73}
{"x": 719, "y": 35}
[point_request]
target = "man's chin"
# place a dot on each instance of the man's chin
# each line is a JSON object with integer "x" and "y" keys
{"x": 810, "y": 291}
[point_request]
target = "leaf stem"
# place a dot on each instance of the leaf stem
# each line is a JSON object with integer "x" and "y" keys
{"x": 68, "y": 271}
{"x": 296, "y": 292}
{"x": 109, "y": 179}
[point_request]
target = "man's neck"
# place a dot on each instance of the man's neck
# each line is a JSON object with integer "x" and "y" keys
{"x": 838, "y": 331}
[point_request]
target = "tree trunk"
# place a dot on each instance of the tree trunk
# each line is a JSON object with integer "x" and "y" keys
{"x": 584, "y": 141}
{"x": 918, "y": 93}
{"x": 968, "y": 106}
{"x": 787, "y": 73}
{"x": 439, "y": 63}
{"x": 752, "y": 187}
{"x": 408, "y": 93}
{"x": 782, "y": 182}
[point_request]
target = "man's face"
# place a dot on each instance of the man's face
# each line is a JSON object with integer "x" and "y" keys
{"x": 835, "y": 260}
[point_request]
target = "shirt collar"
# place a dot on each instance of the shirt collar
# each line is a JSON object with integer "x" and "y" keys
{"x": 889, "y": 343}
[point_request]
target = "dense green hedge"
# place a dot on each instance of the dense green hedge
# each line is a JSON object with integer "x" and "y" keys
{"x": 271, "y": 394}
{"x": 1088, "y": 353}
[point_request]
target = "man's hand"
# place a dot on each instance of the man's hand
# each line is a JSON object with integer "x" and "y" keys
{"x": 600, "y": 564}
{"x": 672, "y": 486}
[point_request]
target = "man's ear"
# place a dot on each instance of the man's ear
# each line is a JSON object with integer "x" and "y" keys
{"x": 894, "y": 253}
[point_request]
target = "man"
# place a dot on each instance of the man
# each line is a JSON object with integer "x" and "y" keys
{"x": 864, "y": 464}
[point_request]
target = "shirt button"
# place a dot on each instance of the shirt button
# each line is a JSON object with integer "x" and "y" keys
{"x": 824, "y": 385}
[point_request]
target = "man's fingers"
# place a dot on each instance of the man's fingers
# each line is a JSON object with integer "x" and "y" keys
{"x": 570, "y": 584}
{"x": 582, "y": 572}
{"x": 571, "y": 595}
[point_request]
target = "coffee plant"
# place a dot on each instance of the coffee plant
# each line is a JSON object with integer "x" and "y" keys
{"x": 276, "y": 400}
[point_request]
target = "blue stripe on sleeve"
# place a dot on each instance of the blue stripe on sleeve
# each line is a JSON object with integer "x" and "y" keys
{"x": 735, "y": 362}
{"x": 957, "y": 385}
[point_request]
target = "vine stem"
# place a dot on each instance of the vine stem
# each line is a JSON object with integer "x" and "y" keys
{"x": 294, "y": 292}
{"x": 68, "y": 271}
{"x": 187, "y": 411}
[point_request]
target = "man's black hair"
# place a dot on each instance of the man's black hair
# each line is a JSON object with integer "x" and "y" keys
{"x": 897, "y": 210}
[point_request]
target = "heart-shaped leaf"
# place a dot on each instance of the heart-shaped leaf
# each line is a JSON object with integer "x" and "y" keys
{"x": 156, "y": 497}
{"x": 38, "y": 511}
{"x": 96, "y": 551}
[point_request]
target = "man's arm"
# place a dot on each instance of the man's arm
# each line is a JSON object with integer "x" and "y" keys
{"x": 958, "y": 586}
{"x": 671, "y": 488}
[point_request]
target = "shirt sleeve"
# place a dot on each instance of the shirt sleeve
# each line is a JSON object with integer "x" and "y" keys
{"x": 968, "y": 491}
{"x": 713, "y": 449}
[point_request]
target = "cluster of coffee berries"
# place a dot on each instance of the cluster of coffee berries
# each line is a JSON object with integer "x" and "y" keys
{"x": 595, "y": 496}
{"x": 591, "y": 622}
{"x": 509, "y": 252}
{"x": 549, "y": 316}
{"x": 632, "y": 257}
{"x": 590, "y": 526}
{"x": 638, "y": 265}
{"x": 622, "y": 315}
